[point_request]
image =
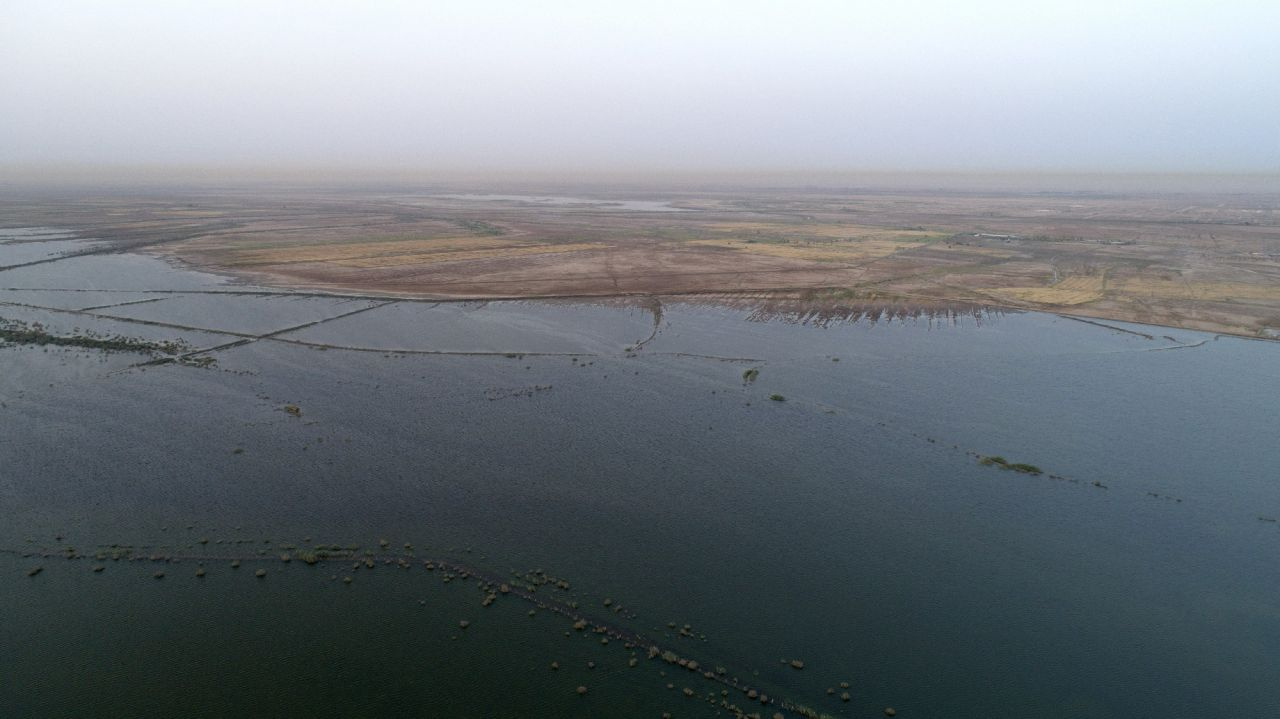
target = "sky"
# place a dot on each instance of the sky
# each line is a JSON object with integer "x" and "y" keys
{"x": 983, "y": 85}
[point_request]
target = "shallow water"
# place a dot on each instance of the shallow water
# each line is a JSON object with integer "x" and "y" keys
{"x": 112, "y": 273}
{"x": 515, "y": 327}
{"x": 850, "y": 525}
{"x": 251, "y": 314}
{"x": 19, "y": 245}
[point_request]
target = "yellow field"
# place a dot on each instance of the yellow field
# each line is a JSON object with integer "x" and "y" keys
{"x": 1157, "y": 289}
{"x": 823, "y": 252}
{"x": 1077, "y": 290}
{"x": 815, "y": 242}
{"x": 423, "y": 258}
{"x": 388, "y": 252}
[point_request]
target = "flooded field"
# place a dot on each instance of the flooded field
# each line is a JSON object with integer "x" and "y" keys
{"x": 279, "y": 503}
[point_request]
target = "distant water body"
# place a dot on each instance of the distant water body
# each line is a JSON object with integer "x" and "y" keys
{"x": 594, "y": 204}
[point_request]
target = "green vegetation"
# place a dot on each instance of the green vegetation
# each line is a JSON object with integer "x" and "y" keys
{"x": 482, "y": 228}
{"x": 777, "y": 398}
{"x": 1002, "y": 463}
{"x": 18, "y": 332}
{"x": 750, "y": 375}
{"x": 201, "y": 361}
{"x": 768, "y": 238}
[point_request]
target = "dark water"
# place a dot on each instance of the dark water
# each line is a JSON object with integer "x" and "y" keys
{"x": 849, "y": 526}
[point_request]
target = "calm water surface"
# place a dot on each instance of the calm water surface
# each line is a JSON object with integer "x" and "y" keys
{"x": 849, "y": 526}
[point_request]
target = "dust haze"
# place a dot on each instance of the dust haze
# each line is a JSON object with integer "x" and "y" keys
{"x": 711, "y": 87}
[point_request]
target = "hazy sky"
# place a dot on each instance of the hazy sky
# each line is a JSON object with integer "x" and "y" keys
{"x": 980, "y": 85}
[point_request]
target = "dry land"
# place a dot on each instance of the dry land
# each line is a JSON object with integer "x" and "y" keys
{"x": 1201, "y": 261}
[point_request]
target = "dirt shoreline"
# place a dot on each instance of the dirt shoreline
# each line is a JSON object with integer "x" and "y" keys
{"x": 1206, "y": 262}
{"x": 791, "y": 301}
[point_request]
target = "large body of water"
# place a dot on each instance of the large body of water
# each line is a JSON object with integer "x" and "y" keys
{"x": 849, "y": 526}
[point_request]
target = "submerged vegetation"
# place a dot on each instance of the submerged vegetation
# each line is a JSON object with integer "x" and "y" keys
{"x": 555, "y": 597}
{"x": 1002, "y": 463}
{"x": 35, "y": 333}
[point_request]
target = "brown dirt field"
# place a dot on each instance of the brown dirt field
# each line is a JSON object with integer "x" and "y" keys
{"x": 1208, "y": 261}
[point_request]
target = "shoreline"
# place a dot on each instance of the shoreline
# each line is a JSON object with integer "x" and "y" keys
{"x": 787, "y": 296}
{"x": 780, "y": 300}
